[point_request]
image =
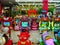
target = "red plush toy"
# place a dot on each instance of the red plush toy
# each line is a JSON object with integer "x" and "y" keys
{"x": 9, "y": 42}
{"x": 7, "y": 22}
{"x": 23, "y": 38}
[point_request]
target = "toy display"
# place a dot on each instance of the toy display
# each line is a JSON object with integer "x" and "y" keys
{"x": 44, "y": 24}
{"x": 29, "y": 22}
{"x": 25, "y": 23}
{"x": 16, "y": 28}
{"x": 46, "y": 38}
{"x": 56, "y": 25}
{"x": 23, "y": 38}
{"x": 34, "y": 24}
{"x": 56, "y": 29}
{"x": 7, "y": 22}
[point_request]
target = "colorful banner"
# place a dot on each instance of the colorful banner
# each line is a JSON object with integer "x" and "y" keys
{"x": 45, "y": 5}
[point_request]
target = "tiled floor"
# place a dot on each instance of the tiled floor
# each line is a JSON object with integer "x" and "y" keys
{"x": 14, "y": 36}
{"x": 34, "y": 36}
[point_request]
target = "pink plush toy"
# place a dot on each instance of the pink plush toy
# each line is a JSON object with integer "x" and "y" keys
{"x": 49, "y": 41}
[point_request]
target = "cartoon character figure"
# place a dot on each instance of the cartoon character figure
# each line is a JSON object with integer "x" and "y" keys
{"x": 25, "y": 23}
{"x": 34, "y": 24}
{"x": 49, "y": 40}
{"x": 7, "y": 23}
{"x": 44, "y": 23}
{"x": 46, "y": 38}
{"x": 56, "y": 25}
{"x": 23, "y": 38}
{"x": 16, "y": 21}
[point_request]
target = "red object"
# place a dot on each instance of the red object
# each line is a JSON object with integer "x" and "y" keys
{"x": 45, "y": 19}
{"x": 7, "y": 19}
{"x": 9, "y": 42}
{"x": 31, "y": 11}
{"x": 27, "y": 42}
{"x": 45, "y": 5}
{"x": 0, "y": 9}
{"x": 34, "y": 24}
{"x": 0, "y": 19}
{"x": 24, "y": 35}
{"x": 24, "y": 39}
{"x": 56, "y": 19}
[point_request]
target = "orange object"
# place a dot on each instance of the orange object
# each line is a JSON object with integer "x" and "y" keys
{"x": 45, "y": 19}
{"x": 31, "y": 11}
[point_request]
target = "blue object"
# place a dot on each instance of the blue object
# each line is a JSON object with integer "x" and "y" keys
{"x": 56, "y": 30}
{"x": 6, "y": 23}
{"x": 39, "y": 17}
{"x": 24, "y": 24}
{"x": 55, "y": 40}
{"x": 43, "y": 11}
{"x": 59, "y": 34}
{"x": 17, "y": 20}
{"x": 40, "y": 40}
{"x": 44, "y": 22}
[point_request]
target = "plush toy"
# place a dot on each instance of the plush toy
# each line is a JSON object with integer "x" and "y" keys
{"x": 49, "y": 40}
{"x": 7, "y": 22}
{"x": 23, "y": 38}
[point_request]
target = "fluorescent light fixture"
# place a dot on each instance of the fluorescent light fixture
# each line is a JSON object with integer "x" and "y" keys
{"x": 36, "y": 0}
{"x": 28, "y": 0}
